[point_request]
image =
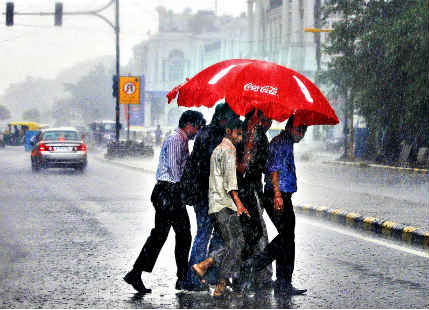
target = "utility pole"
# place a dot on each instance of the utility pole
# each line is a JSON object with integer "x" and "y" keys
{"x": 117, "y": 65}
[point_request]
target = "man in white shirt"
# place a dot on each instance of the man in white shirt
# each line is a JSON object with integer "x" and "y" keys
{"x": 225, "y": 207}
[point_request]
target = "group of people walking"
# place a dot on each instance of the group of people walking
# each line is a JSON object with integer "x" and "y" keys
{"x": 222, "y": 180}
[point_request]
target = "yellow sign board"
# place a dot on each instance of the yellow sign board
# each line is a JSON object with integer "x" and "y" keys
{"x": 129, "y": 90}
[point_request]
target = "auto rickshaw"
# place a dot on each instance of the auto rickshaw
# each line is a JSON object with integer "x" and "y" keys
{"x": 20, "y": 133}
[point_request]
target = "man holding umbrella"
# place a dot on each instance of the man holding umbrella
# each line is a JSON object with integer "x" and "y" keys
{"x": 280, "y": 184}
{"x": 278, "y": 92}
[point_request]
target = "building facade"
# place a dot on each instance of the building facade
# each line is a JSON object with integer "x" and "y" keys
{"x": 184, "y": 44}
{"x": 276, "y": 33}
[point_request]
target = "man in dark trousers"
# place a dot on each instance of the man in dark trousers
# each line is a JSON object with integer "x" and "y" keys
{"x": 195, "y": 181}
{"x": 252, "y": 157}
{"x": 170, "y": 211}
{"x": 280, "y": 184}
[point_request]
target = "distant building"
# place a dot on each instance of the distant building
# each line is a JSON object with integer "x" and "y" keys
{"x": 276, "y": 33}
{"x": 184, "y": 45}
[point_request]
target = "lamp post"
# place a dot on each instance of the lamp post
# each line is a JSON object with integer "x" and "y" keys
{"x": 348, "y": 144}
{"x": 310, "y": 29}
{"x": 317, "y": 32}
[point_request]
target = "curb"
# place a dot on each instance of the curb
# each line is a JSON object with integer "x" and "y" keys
{"x": 363, "y": 164}
{"x": 388, "y": 229}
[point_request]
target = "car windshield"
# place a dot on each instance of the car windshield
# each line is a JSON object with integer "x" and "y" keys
{"x": 60, "y": 135}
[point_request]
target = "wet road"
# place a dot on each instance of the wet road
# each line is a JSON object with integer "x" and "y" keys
{"x": 387, "y": 194}
{"x": 67, "y": 239}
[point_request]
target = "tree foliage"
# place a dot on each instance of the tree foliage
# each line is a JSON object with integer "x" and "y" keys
{"x": 380, "y": 56}
{"x": 91, "y": 97}
{"x": 31, "y": 93}
{"x": 4, "y": 113}
{"x": 31, "y": 115}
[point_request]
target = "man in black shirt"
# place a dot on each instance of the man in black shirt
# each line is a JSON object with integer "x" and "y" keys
{"x": 195, "y": 185}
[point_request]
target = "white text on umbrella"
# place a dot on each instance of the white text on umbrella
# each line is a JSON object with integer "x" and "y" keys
{"x": 263, "y": 89}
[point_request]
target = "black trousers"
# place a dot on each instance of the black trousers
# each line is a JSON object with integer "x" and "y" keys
{"x": 251, "y": 226}
{"x": 170, "y": 213}
{"x": 282, "y": 247}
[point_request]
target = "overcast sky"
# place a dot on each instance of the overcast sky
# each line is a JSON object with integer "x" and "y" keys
{"x": 34, "y": 47}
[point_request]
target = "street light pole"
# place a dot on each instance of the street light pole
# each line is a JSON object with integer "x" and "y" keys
{"x": 348, "y": 115}
{"x": 117, "y": 110}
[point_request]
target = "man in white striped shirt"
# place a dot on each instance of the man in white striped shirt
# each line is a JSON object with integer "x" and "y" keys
{"x": 170, "y": 211}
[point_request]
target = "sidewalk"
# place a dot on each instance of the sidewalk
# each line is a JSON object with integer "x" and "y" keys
{"x": 317, "y": 151}
{"x": 382, "y": 226}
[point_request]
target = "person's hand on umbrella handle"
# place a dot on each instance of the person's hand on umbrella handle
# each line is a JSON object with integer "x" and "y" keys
{"x": 241, "y": 209}
{"x": 278, "y": 202}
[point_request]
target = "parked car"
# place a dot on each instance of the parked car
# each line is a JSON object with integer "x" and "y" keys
{"x": 60, "y": 147}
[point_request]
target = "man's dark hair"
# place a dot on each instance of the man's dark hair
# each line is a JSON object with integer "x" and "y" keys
{"x": 194, "y": 118}
{"x": 289, "y": 123}
{"x": 222, "y": 111}
{"x": 234, "y": 123}
{"x": 249, "y": 115}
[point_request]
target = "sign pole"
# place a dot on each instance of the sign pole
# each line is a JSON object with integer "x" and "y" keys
{"x": 128, "y": 122}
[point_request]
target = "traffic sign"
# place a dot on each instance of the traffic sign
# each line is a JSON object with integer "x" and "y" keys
{"x": 129, "y": 90}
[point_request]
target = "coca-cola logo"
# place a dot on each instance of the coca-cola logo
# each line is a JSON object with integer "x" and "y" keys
{"x": 262, "y": 89}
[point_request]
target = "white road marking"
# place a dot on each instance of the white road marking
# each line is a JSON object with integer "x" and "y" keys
{"x": 366, "y": 238}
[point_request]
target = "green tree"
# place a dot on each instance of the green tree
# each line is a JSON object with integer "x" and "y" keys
{"x": 31, "y": 115}
{"x": 91, "y": 97}
{"x": 379, "y": 52}
{"x": 4, "y": 113}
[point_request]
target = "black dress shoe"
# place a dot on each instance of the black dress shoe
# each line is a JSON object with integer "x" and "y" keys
{"x": 284, "y": 287}
{"x": 134, "y": 279}
{"x": 186, "y": 285}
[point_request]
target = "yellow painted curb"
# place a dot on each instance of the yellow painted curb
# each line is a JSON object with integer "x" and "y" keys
{"x": 334, "y": 215}
{"x": 350, "y": 217}
{"x": 307, "y": 208}
{"x": 319, "y": 210}
{"x": 386, "y": 228}
{"x": 367, "y": 222}
{"x": 407, "y": 233}
{"x": 426, "y": 240}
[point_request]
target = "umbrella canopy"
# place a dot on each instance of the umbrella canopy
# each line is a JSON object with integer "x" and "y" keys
{"x": 246, "y": 84}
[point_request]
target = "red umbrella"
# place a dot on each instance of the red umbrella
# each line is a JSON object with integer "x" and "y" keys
{"x": 245, "y": 84}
